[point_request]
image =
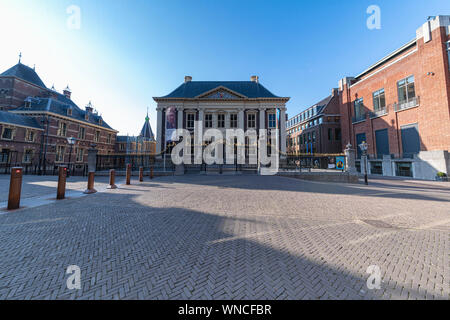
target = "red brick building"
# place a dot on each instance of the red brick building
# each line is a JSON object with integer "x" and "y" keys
{"x": 36, "y": 122}
{"x": 401, "y": 106}
{"x": 317, "y": 130}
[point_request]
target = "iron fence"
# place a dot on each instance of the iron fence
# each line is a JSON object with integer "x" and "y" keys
{"x": 32, "y": 164}
{"x": 310, "y": 161}
{"x": 120, "y": 162}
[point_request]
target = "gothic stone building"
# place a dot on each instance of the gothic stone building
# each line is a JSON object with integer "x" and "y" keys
{"x": 144, "y": 143}
{"x": 221, "y": 105}
{"x": 36, "y": 122}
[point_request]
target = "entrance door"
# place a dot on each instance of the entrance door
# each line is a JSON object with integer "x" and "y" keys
{"x": 382, "y": 142}
{"x": 410, "y": 140}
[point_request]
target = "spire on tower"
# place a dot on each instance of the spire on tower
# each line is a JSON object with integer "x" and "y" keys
{"x": 20, "y": 57}
{"x": 146, "y": 132}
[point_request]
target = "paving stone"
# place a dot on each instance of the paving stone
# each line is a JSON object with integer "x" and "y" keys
{"x": 231, "y": 237}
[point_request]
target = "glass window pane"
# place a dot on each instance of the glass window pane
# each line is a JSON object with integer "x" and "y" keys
{"x": 382, "y": 101}
{"x": 401, "y": 94}
{"x": 411, "y": 91}
{"x": 376, "y": 104}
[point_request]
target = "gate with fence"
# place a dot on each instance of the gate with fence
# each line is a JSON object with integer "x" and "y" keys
{"x": 144, "y": 160}
{"x": 33, "y": 164}
{"x": 165, "y": 164}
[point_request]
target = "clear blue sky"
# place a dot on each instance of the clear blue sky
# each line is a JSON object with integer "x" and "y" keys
{"x": 127, "y": 52}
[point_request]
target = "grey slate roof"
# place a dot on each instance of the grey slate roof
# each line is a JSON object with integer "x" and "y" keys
{"x": 321, "y": 105}
{"x": 121, "y": 138}
{"x": 146, "y": 131}
{"x": 24, "y": 72}
{"x": 193, "y": 89}
{"x": 60, "y": 106}
{"x": 18, "y": 119}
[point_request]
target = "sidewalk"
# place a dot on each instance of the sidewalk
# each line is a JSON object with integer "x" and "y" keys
{"x": 41, "y": 190}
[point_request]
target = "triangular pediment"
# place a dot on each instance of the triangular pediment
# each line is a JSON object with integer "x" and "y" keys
{"x": 221, "y": 93}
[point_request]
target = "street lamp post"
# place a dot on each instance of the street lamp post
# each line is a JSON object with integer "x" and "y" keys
{"x": 364, "y": 146}
{"x": 71, "y": 141}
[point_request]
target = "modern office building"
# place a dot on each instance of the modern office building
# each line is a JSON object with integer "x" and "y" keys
{"x": 316, "y": 130}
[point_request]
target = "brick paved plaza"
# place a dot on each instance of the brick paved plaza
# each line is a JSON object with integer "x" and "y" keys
{"x": 229, "y": 237}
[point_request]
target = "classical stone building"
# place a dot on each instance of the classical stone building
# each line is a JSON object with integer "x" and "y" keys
{"x": 316, "y": 130}
{"x": 221, "y": 105}
{"x": 400, "y": 106}
{"x": 36, "y": 123}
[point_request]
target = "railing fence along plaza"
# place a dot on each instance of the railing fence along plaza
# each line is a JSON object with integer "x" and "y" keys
{"x": 151, "y": 161}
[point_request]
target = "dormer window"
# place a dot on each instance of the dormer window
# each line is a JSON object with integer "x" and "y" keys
{"x": 100, "y": 121}
{"x": 86, "y": 117}
{"x": 69, "y": 111}
{"x": 27, "y": 104}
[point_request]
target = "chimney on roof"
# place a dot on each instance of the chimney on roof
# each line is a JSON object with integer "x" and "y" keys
{"x": 187, "y": 79}
{"x": 254, "y": 79}
{"x": 67, "y": 93}
{"x": 334, "y": 92}
{"x": 89, "y": 108}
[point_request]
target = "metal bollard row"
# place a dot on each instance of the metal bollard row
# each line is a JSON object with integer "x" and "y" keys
{"x": 15, "y": 186}
{"x": 61, "y": 190}
{"x": 90, "y": 188}
{"x": 112, "y": 179}
{"x": 128, "y": 174}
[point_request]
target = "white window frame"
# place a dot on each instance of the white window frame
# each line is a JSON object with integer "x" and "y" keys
{"x": 250, "y": 121}
{"x": 188, "y": 120}
{"x": 77, "y": 154}
{"x": 4, "y": 159}
{"x": 408, "y": 99}
{"x": 27, "y": 136}
{"x": 12, "y": 133}
{"x": 29, "y": 158}
{"x": 274, "y": 120}
{"x": 376, "y": 96}
{"x": 62, "y": 129}
{"x": 59, "y": 157}
{"x": 208, "y": 120}
{"x": 81, "y": 129}
{"x": 221, "y": 120}
{"x": 233, "y": 120}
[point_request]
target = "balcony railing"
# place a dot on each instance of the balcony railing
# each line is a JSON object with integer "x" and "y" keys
{"x": 378, "y": 113}
{"x": 404, "y": 105}
{"x": 359, "y": 118}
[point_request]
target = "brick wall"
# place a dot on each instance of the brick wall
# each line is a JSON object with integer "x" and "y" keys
{"x": 323, "y": 144}
{"x": 19, "y": 144}
{"x": 427, "y": 62}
